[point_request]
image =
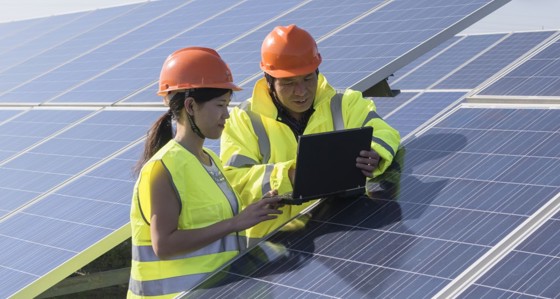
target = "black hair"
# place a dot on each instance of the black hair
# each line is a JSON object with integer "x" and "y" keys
{"x": 162, "y": 130}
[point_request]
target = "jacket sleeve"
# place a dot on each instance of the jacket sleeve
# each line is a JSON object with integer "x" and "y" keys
{"x": 359, "y": 111}
{"x": 243, "y": 161}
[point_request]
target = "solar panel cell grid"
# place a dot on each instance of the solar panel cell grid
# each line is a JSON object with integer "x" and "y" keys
{"x": 422, "y": 108}
{"x": 44, "y": 42}
{"x": 531, "y": 269}
{"x": 144, "y": 70}
{"x": 63, "y": 54}
{"x": 539, "y": 75}
{"x": 66, "y": 222}
{"x": 434, "y": 70}
{"x": 496, "y": 58}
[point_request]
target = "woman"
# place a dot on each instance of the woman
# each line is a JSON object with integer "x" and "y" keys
{"x": 186, "y": 219}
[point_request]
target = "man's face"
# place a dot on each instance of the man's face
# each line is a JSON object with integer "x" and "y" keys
{"x": 297, "y": 93}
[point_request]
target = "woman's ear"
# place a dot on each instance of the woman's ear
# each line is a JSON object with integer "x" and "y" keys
{"x": 189, "y": 106}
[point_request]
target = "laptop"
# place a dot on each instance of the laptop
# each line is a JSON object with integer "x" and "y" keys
{"x": 326, "y": 165}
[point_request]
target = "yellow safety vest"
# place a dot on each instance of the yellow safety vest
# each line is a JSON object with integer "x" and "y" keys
{"x": 258, "y": 150}
{"x": 202, "y": 204}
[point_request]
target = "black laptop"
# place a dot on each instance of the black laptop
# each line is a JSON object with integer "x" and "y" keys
{"x": 326, "y": 165}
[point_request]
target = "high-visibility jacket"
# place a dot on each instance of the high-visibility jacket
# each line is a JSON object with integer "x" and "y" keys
{"x": 258, "y": 150}
{"x": 202, "y": 204}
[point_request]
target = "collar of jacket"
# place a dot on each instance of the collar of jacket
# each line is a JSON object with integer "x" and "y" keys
{"x": 261, "y": 102}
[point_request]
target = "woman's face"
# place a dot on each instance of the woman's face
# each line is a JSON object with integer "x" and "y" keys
{"x": 211, "y": 116}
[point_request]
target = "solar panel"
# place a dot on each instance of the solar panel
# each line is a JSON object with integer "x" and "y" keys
{"x": 403, "y": 31}
{"x": 494, "y": 60}
{"x": 14, "y": 77}
{"x": 459, "y": 53}
{"x": 42, "y": 27}
{"x": 421, "y": 109}
{"x": 423, "y": 59}
{"x": 7, "y": 114}
{"x": 531, "y": 269}
{"x": 455, "y": 200}
{"x": 18, "y": 53}
{"x": 538, "y": 76}
{"x": 31, "y": 127}
{"x": 14, "y": 28}
{"x": 68, "y": 197}
{"x": 386, "y": 105}
{"x": 144, "y": 70}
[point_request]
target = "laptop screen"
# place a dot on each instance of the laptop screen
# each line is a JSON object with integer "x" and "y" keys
{"x": 326, "y": 163}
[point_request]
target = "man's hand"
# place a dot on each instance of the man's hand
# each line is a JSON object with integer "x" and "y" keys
{"x": 367, "y": 162}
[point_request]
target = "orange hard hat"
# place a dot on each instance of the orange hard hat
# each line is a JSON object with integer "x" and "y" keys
{"x": 289, "y": 51}
{"x": 194, "y": 67}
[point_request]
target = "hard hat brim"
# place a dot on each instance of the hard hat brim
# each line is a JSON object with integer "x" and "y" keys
{"x": 225, "y": 85}
{"x": 291, "y": 72}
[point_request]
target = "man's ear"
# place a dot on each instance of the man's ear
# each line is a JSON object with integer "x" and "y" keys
{"x": 189, "y": 105}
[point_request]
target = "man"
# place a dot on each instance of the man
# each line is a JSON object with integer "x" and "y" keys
{"x": 259, "y": 143}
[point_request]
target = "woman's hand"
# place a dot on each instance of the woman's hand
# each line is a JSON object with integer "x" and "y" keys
{"x": 262, "y": 210}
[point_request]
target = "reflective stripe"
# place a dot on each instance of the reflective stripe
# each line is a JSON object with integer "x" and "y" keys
{"x": 227, "y": 243}
{"x": 384, "y": 145}
{"x": 266, "y": 178}
{"x": 165, "y": 286}
{"x": 336, "y": 111}
{"x": 258, "y": 127}
{"x": 371, "y": 115}
{"x": 240, "y": 161}
{"x": 242, "y": 243}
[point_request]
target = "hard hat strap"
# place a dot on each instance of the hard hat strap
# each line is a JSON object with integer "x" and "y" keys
{"x": 194, "y": 127}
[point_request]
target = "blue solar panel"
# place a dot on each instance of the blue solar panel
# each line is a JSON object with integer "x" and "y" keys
{"x": 7, "y": 114}
{"x": 444, "y": 63}
{"x": 386, "y": 105}
{"x": 42, "y": 27}
{"x": 13, "y": 28}
{"x": 423, "y": 59}
{"x": 57, "y": 159}
{"x": 422, "y": 108}
{"x": 531, "y": 269}
{"x": 86, "y": 210}
{"x": 12, "y": 78}
{"x": 455, "y": 200}
{"x": 146, "y": 37}
{"x": 144, "y": 70}
{"x": 31, "y": 127}
{"x": 398, "y": 28}
{"x": 483, "y": 67}
{"x": 538, "y": 76}
{"x": 47, "y": 237}
{"x": 43, "y": 42}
